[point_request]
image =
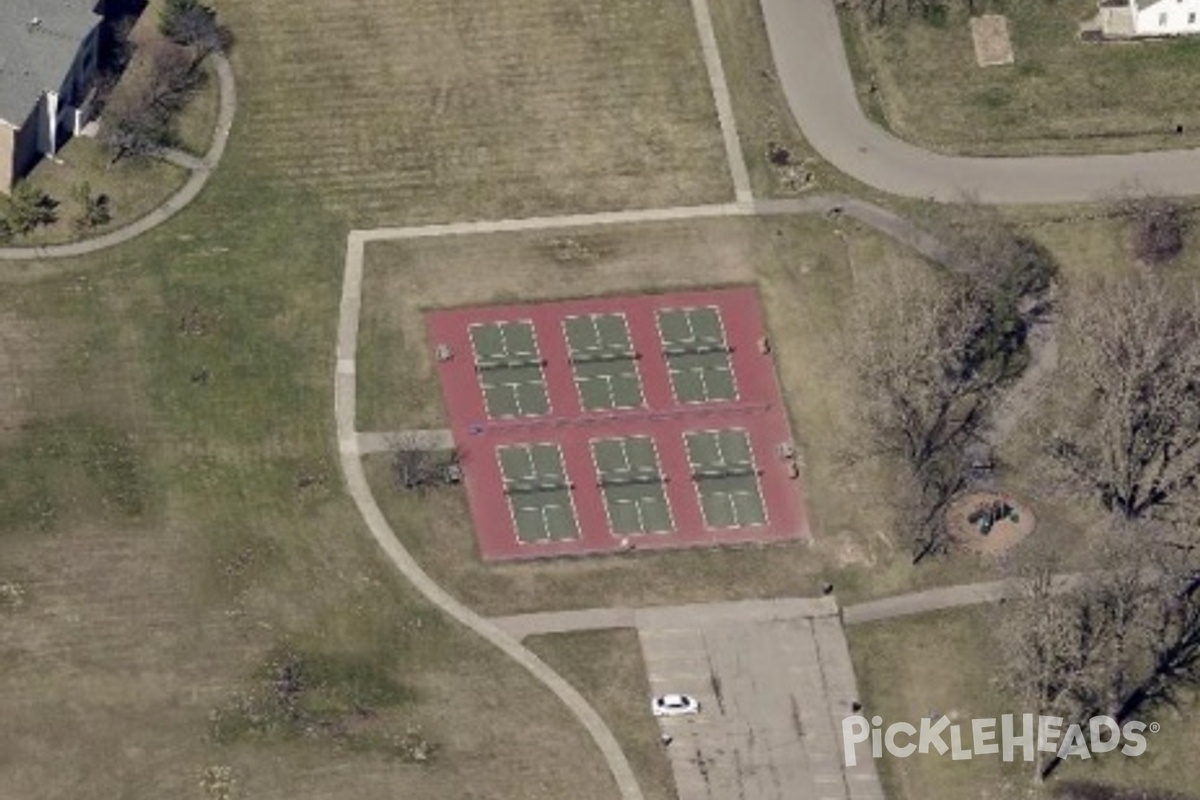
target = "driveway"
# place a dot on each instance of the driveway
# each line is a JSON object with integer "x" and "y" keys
{"x": 810, "y": 60}
{"x": 773, "y": 690}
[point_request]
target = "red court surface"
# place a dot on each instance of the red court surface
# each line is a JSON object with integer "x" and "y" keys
{"x": 757, "y": 410}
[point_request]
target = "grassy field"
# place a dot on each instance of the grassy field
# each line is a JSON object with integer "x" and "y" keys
{"x": 172, "y": 518}
{"x": 195, "y": 123}
{"x": 948, "y": 662}
{"x": 607, "y": 667}
{"x": 172, "y": 525}
{"x": 1060, "y": 95}
{"x": 134, "y": 187}
{"x": 806, "y": 273}
{"x": 448, "y": 110}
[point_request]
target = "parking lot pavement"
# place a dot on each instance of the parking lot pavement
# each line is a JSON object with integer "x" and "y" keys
{"x": 773, "y": 692}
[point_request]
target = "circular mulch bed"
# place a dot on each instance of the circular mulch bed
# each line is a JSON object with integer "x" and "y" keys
{"x": 962, "y": 518}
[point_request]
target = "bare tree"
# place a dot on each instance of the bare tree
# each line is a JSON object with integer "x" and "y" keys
{"x": 138, "y": 112}
{"x": 418, "y": 466}
{"x": 1116, "y": 639}
{"x": 193, "y": 24}
{"x": 922, "y": 397}
{"x": 913, "y": 342}
{"x": 1131, "y": 437}
{"x": 1044, "y": 648}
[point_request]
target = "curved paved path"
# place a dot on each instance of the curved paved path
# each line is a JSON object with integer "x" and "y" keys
{"x": 810, "y": 60}
{"x": 201, "y": 170}
{"x": 356, "y": 482}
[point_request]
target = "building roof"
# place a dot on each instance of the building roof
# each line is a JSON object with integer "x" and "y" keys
{"x": 1144, "y": 4}
{"x": 39, "y": 40}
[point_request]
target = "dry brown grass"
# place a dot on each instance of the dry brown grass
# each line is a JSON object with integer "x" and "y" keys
{"x": 1061, "y": 95}
{"x": 607, "y": 668}
{"x": 447, "y": 110}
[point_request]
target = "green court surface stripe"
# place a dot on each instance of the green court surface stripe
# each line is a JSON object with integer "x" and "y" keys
{"x": 625, "y": 394}
{"x": 582, "y": 336}
{"x": 655, "y": 516}
{"x": 547, "y": 460}
{"x": 673, "y": 326}
{"x": 609, "y": 455}
{"x": 612, "y": 331}
{"x": 703, "y": 449}
{"x": 518, "y": 339}
{"x": 749, "y": 508}
{"x": 529, "y": 524}
{"x": 639, "y": 451}
{"x": 501, "y": 401}
{"x": 487, "y": 341}
{"x": 718, "y": 385}
{"x": 531, "y": 399}
{"x": 720, "y": 473}
{"x": 624, "y": 517}
{"x": 718, "y": 513}
{"x": 688, "y": 386}
{"x": 735, "y": 447}
{"x": 706, "y": 325}
{"x": 595, "y": 394}
{"x": 515, "y": 463}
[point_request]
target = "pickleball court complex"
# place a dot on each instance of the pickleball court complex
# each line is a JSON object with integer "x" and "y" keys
{"x": 618, "y": 423}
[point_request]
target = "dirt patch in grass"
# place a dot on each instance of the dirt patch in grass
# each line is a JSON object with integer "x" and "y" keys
{"x": 607, "y": 668}
{"x": 1061, "y": 96}
{"x": 448, "y": 110}
{"x": 993, "y": 47}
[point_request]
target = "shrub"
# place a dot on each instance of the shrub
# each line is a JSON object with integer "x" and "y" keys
{"x": 1159, "y": 228}
{"x": 29, "y": 208}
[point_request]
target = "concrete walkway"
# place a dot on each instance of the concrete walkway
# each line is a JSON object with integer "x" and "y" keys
{"x": 345, "y": 392}
{"x": 810, "y": 60}
{"x": 720, "y": 90}
{"x": 416, "y": 439}
{"x": 901, "y": 605}
{"x": 201, "y": 170}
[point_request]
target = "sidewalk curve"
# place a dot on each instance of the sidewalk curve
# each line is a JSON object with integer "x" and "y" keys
{"x": 201, "y": 170}
{"x": 810, "y": 60}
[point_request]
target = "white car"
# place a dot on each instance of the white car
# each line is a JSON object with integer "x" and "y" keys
{"x": 674, "y": 705}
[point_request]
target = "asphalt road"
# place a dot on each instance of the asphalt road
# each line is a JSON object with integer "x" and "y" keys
{"x": 810, "y": 60}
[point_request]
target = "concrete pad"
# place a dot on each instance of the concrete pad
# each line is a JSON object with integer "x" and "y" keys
{"x": 993, "y": 47}
{"x": 773, "y": 686}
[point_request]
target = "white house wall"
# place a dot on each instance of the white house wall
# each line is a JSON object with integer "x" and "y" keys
{"x": 1168, "y": 18}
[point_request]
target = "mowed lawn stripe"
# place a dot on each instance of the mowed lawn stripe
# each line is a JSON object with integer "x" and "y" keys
{"x": 409, "y": 112}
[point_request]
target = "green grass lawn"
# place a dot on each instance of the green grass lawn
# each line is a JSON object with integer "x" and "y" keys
{"x": 448, "y": 110}
{"x": 948, "y": 662}
{"x": 135, "y": 186}
{"x": 607, "y": 668}
{"x": 172, "y": 515}
{"x": 1060, "y": 95}
{"x": 196, "y": 122}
